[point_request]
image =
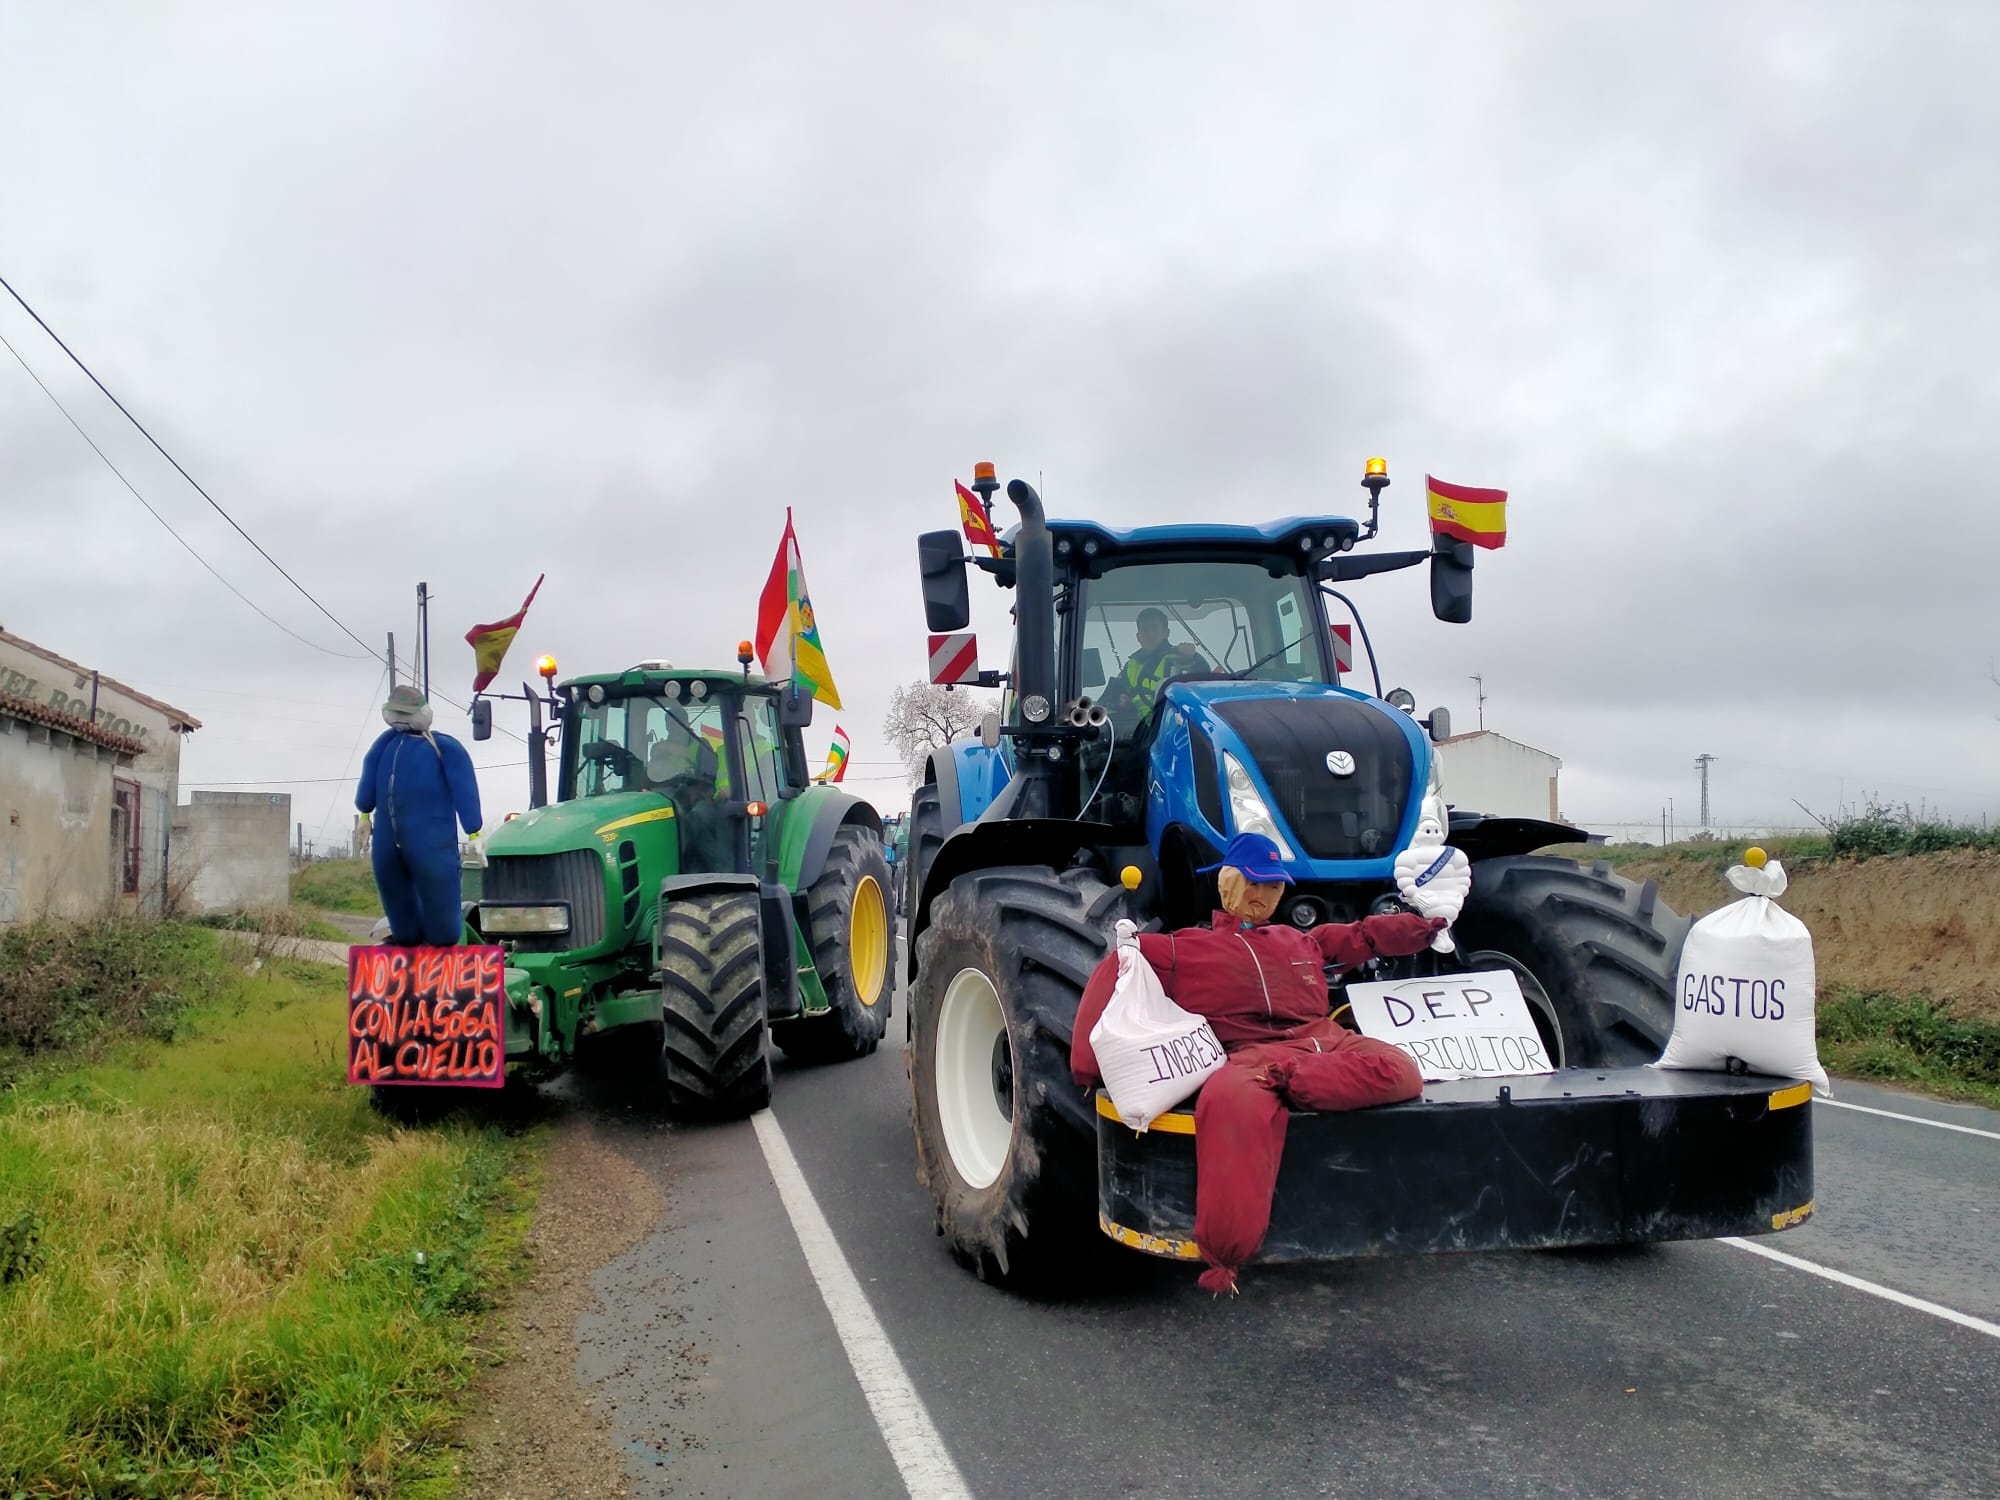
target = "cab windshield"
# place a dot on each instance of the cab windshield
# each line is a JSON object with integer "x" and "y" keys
{"x": 643, "y": 743}
{"x": 1141, "y": 625}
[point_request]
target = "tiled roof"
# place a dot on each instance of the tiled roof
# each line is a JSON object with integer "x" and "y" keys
{"x": 29, "y": 711}
{"x": 181, "y": 717}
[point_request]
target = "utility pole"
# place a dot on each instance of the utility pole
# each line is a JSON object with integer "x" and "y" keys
{"x": 424, "y": 633}
{"x": 1663, "y": 828}
{"x": 1476, "y": 677}
{"x": 1701, "y": 764}
{"x": 392, "y": 661}
{"x": 1670, "y": 820}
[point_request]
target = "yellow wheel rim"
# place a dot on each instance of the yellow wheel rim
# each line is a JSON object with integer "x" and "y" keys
{"x": 868, "y": 940}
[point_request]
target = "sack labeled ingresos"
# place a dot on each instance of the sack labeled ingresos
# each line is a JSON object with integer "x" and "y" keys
{"x": 1150, "y": 1053}
{"x": 1746, "y": 987}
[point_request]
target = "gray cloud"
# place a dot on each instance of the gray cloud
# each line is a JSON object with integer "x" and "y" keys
{"x": 468, "y": 295}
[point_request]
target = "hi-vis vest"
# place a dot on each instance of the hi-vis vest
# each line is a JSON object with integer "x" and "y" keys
{"x": 1146, "y": 681}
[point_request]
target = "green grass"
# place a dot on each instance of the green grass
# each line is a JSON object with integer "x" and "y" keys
{"x": 71, "y": 987}
{"x": 346, "y": 885}
{"x": 282, "y": 921}
{"x": 221, "y": 1274}
{"x": 1908, "y": 1039}
{"x": 1877, "y": 832}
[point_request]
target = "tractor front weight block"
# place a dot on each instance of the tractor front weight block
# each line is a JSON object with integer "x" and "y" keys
{"x": 1615, "y": 1156}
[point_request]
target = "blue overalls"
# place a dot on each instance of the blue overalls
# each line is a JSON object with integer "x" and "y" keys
{"x": 420, "y": 788}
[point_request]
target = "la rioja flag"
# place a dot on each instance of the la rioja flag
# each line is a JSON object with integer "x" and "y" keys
{"x": 788, "y": 643}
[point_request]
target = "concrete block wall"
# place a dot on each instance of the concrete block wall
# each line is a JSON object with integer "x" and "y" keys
{"x": 56, "y": 853}
{"x": 233, "y": 851}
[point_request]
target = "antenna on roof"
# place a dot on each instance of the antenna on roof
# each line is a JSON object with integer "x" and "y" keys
{"x": 1476, "y": 677}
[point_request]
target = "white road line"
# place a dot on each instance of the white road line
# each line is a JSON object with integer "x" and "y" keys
{"x": 927, "y": 1468}
{"x": 1890, "y": 1114}
{"x": 1889, "y": 1294}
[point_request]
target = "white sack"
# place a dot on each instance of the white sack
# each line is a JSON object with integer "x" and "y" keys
{"x": 1151, "y": 1053}
{"x": 1746, "y": 987}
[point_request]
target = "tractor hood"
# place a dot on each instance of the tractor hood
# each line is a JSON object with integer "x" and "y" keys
{"x": 1341, "y": 775}
{"x": 587, "y": 823}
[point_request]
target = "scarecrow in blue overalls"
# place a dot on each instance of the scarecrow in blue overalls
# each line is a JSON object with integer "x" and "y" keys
{"x": 423, "y": 785}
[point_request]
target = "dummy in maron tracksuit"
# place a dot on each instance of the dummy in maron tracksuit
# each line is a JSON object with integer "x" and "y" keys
{"x": 420, "y": 787}
{"x": 1262, "y": 987}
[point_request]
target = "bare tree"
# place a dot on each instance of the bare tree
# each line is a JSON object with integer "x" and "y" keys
{"x": 924, "y": 716}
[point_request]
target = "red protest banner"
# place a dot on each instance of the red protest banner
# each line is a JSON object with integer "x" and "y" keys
{"x": 427, "y": 1015}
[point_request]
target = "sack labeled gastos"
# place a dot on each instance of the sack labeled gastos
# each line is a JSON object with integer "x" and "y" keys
{"x": 1746, "y": 986}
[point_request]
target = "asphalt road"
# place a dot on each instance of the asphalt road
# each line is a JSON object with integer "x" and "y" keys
{"x": 1681, "y": 1370}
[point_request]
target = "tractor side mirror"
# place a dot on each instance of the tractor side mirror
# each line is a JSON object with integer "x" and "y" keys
{"x": 989, "y": 731}
{"x": 947, "y": 599}
{"x": 795, "y": 708}
{"x": 1439, "y": 724}
{"x": 482, "y": 718}
{"x": 798, "y": 775}
{"x": 1451, "y": 581}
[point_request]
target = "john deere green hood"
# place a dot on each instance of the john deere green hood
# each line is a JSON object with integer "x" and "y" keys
{"x": 588, "y": 823}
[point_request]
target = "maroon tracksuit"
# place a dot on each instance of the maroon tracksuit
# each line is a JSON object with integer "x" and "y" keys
{"x": 1263, "y": 989}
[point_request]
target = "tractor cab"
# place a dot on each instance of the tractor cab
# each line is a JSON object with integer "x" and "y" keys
{"x": 708, "y": 752}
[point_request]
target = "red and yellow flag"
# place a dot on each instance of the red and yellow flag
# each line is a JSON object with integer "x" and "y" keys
{"x": 489, "y": 643}
{"x": 977, "y": 523}
{"x": 1466, "y": 514}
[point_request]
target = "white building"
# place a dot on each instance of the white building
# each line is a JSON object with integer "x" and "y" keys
{"x": 1489, "y": 773}
{"x": 93, "y": 769}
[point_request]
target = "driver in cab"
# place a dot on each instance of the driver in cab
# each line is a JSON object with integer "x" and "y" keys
{"x": 1146, "y": 671}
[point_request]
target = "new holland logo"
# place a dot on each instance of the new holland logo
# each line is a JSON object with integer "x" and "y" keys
{"x": 1340, "y": 762}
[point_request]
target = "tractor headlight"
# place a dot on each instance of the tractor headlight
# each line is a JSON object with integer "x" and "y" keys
{"x": 1248, "y": 810}
{"x": 515, "y": 921}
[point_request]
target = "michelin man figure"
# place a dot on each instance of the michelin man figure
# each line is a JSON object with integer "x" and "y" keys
{"x": 1434, "y": 877}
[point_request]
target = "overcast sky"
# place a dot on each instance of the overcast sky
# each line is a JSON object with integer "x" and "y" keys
{"x": 464, "y": 293}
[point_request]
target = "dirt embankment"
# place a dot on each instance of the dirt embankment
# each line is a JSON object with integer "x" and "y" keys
{"x": 1920, "y": 924}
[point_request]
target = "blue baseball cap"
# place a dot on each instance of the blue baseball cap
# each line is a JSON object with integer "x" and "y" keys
{"x": 1256, "y": 856}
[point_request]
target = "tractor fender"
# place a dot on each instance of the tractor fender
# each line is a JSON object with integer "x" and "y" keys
{"x": 941, "y": 771}
{"x": 1054, "y": 842}
{"x": 777, "y": 933}
{"x": 826, "y": 813}
{"x": 1482, "y": 837}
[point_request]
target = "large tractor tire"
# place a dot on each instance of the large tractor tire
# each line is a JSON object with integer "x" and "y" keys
{"x": 853, "y": 943}
{"x": 1595, "y": 954}
{"x": 712, "y": 995}
{"x": 1006, "y": 1141}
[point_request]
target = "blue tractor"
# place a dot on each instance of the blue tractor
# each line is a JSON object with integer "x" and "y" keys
{"x": 1124, "y": 758}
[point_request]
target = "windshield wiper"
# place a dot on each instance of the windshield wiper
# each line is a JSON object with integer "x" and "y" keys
{"x": 1288, "y": 646}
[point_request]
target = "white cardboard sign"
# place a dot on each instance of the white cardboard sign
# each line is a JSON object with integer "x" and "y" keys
{"x": 1454, "y": 1025}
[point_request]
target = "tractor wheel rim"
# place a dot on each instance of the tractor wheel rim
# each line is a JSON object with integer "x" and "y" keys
{"x": 978, "y": 1126}
{"x": 868, "y": 940}
{"x": 1543, "y": 1009}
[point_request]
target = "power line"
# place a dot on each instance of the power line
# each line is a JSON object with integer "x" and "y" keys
{"x": 343, "y": 655}
{"x": 213, "y": 503}
{"x": 8, "y": 287}
{"x": 508, "y": 765}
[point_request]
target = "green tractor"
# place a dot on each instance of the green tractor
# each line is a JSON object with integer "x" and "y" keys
{"x": 688, "y": 895}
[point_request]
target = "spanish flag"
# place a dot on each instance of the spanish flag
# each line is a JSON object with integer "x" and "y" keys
{"x": 489, "y": 643}
{"x": 836, "y": 757}
{"x": 788, "y": 644}
{"x": 977, "y": 523}
{"x": 1467, "y": 515}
